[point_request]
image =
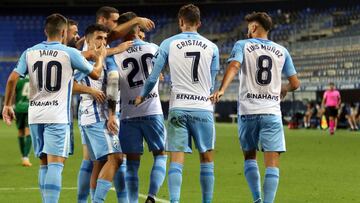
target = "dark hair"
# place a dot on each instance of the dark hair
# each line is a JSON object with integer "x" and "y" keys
{"x": 331, "y": 83}
{"x": 54, "y": 23}
{"x": 260, "y": 17}
{"x": 105, "y": 12}
{"x": 125, "y": 17}
{"x": 96, "y": 27}
{"x": 72, "y": 22}
{"x": 190, "y": 14}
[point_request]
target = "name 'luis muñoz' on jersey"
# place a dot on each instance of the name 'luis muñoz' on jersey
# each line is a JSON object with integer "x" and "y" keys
{"x": 262, "y": 63}
{"x": 191, "y": 59}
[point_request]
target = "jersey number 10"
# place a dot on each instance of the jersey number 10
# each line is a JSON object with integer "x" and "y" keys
{"x": 52, "y": 67}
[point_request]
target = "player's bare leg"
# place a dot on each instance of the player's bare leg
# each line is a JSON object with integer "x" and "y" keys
{"x": 207, "y": 178}
{"x": 271, "y": 180}
{"x": 252, "y": 174}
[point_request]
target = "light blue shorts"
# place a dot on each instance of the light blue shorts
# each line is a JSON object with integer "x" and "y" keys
{"x": 264, "y": 129}
{"x": 52, "y": 139}
{"x": 184, "y": 125}
{"x": 82, "y": 135}
{"x": 134, "y": 130}
{"x": 100, "y": 141}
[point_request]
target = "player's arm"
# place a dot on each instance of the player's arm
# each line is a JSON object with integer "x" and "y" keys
{"x": 214, "y": 68}
{"x": 119, "y": 48}
{"x": 160, "y": 59}
{"x": 339, "y": 101}
{"x": 231, "y": 71}
{"x": 80, "y": 43}
{"x": 112, "y": 93}
{"x": 121, "y": 30}
{"x": 98, "y": 95}
{"x": 20, "y": 69}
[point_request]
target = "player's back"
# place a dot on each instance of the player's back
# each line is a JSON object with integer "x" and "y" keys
{"x": 190, "y": 58}
{"x": 262, "y": 63}
{"x": 49, "y": 66}
{"x": 134, "y": 66}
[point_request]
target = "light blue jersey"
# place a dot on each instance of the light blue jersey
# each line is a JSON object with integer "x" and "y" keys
{"x": 262, "y": 63}
{"x": 50, "y": 67}
{"x": 193, "y": 61}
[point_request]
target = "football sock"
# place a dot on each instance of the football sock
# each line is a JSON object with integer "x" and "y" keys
{"x": 83, "y": 181}
{"x": 27, "y": 146}
{"x": 102, "y": 188}
{"x": 174, "y": 181}
{"x": 42, "y": 175}
{"x": 157, "y": 175}
{"x": 22, "y": 145}
{"x": 52, "y": 186}
{"x": 132, "y": 180}
{"x": 207, "y": 181}
{"x": 332, "y": 124}
{"x": 119, "y": 183}
{"x": 270, "y": 184}
{"x": 92, "y": 194}
{"x": 252, "y": 175}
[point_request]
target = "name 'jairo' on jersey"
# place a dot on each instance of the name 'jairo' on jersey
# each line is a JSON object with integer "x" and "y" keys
{"x": 191, "y": 59}
{"x": 262, "y": 63}
{"x": 50, "y": 67}
{"x": 134, "y": 66}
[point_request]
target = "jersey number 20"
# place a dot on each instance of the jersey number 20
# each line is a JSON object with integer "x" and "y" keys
{"x": 263, "y": 73}
{"x": 136, "y": 69}
{"x": 52, "y": 67}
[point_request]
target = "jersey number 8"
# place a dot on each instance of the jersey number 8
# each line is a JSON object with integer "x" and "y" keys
{"x": 263, "y": 73}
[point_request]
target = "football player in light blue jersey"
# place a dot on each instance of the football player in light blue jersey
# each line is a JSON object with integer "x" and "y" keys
{"x": 194, "y": 63}
{"x": 50, "y": 67}
{"x": 261, "y": 63}
{"x": 145, "y": 122}
{"x": 100, "y": 130}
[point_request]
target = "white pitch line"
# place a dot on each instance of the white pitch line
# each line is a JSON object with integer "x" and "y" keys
{"x": 73, "y": 188}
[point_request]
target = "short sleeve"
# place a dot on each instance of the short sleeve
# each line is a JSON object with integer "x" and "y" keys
{"x": 78, "y": 76}
{"x": 288, "y": 69}
{"x": 79, "y": 62}
{"x": 21, "y": 66}
{"x": 237, "y": 53}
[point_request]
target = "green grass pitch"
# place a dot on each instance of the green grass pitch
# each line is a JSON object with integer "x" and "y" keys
{"x": 316, "y": 168}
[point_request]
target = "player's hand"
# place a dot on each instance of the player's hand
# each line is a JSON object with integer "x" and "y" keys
{"x": 145, "y": 23}
{"x": 124, "y": 46}
{"x": 139, "y": 100}
{"x": 98, "y": 95}
{"x": 215, "y": 97}
{"x": 161, "y": 77}
{"x": 8, "y": 114}
{"x": 112, "y": 125}
{"x": 100, "y": 52}
{"x": 283, "y": 92}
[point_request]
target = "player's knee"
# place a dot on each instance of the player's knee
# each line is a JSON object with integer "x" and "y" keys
{"x": 115, "y": 159}
{"x": 249, "y": 154}
{"x": 206, "y": 157}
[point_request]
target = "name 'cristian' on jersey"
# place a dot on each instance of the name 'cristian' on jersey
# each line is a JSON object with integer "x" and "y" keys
{"x": 191, "y": 42}
{"x": 270, "y": 48}
{"x": 262, "y": 96}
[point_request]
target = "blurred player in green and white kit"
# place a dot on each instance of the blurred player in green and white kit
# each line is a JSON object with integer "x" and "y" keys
{"x": 22, "y": 124}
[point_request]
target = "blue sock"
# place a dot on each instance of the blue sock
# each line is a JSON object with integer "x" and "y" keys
{"x": 92, "y": 194}
{"x": 252, "y": 176}
{"x": 102, "y": 188}
{"x": 119, "y": 183}
{"x": 157, "y": 175}
{"x": 83, "y": 181}
{"x": 132, "y": 180}
{"x": 52, "y": 186}
{"x": 207, "y": 181}
{"x": 270, "y": 184}
{"x": 174, "y": 181}
{"x": 42, "y": 175}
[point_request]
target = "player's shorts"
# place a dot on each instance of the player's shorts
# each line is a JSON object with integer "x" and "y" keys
{"x": 134, "y": 130}
{"x": 72, "y": 142}
{"x": 51, "y": 139}
{"x": 331, "y": 111}
{"x": 100, "y": 141}
{"x": 82, "y": 135}
{"x": 264, "y": 129}
{"x": 22, "y": 120}
{"x": 186, "y": 124}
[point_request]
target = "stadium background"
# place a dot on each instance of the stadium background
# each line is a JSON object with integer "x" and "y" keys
{"x": 323, "y": 38}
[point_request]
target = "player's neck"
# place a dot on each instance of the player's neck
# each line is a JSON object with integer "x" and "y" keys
{"x": 54, "y": 39}
{"x": 260, "y": 36}
{"x": 189, "y": 29}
